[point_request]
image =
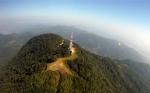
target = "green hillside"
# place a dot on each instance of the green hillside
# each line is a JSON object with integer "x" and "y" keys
{"x": 27, "y": 72}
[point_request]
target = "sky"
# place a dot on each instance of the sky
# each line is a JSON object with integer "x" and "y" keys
{"x": 127, "y": 21}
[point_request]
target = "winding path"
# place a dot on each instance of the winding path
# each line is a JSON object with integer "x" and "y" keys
{"x": 60, "y": 65}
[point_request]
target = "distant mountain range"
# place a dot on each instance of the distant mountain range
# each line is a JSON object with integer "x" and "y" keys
{"x": 11, "y": 44}
{"x": 27, "y": 71}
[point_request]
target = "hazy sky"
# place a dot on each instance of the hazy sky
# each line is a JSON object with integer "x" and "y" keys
{"x": 125, "y": 20}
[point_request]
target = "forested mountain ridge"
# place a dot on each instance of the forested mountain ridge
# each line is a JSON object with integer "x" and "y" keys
{"x": 27, "y": 73}
{"x": 11, "y": 43}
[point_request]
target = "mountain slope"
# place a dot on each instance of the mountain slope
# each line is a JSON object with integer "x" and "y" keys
{"x": 141, "y": 69}
{"x": 27, "y": 72}
{"x": 11, "y": 44}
